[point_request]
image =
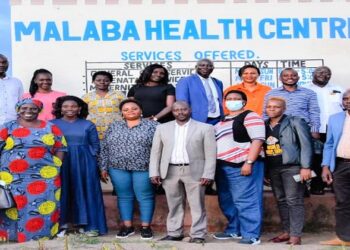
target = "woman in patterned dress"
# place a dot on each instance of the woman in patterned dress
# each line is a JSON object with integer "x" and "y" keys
{"x": 125, "y": 153}
{"x": 103, "y": 102}
{"x": 31, "y": 155}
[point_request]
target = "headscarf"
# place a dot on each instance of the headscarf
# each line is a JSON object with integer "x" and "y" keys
{"x": 36, "y": 102}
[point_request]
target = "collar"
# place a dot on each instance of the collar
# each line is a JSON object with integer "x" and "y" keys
{"x": 184, "y": 125}
{"x": 5, "y": 78}
{"x": 280, "y": 120}
{"x": 202, "y": 78}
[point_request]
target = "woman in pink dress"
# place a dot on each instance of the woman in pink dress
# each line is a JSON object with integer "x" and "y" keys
{"x": 40, "y": 89}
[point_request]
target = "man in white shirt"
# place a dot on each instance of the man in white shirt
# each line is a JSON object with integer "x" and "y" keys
{"x": 329, "y": 97}
{"x": 183, "y": 159}
{"x": 11, "y": 90}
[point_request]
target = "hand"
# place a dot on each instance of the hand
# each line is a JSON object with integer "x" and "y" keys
{"x": 104, "y": 176}
{"x": 267, "y": 182}
{"x": 326, "y": 175}
{"x": 315, "y": 135}
{"x": 305, "y": 174}
{"x": 246, "y": 169}
{"x": 205, "y": 181}
{"x": 156, "y": 180}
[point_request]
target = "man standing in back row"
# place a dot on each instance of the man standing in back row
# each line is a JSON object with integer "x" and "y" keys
{"x": 11, "y": 90}
{"x": 203, "y": 93}
{"x": 329, "y": 97}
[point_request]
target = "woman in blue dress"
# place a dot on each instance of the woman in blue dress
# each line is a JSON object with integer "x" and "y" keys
{"x": 81, "y": 200}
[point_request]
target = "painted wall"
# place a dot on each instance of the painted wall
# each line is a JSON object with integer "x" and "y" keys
{"x": 74, "y": 38}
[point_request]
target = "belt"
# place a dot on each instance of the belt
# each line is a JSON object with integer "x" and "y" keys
{"x": 179, "y": 164}
{"x": 343, "y": 159}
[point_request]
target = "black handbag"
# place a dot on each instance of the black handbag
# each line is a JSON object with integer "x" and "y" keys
{"x": 6, "y": 198}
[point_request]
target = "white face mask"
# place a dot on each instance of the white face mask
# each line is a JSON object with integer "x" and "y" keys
{"x": 234, "y": 105}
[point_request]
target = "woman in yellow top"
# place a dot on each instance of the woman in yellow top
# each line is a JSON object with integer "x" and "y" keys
{"x": 103, "y": 103}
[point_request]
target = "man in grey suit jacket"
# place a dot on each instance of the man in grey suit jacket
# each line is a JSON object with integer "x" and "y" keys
{"x": 183, "y": 160}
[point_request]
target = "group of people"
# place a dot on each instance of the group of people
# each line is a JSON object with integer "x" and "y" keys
{"x": 55, "y": 149}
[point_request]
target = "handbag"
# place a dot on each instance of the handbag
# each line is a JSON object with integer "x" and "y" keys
{"x": 6, "y": 198}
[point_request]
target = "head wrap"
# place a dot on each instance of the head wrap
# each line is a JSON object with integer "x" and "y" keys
{"x": 37, "y": 103}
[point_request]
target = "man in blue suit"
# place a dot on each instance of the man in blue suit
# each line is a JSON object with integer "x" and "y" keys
{"x": 203, "y": 93}
{"x": 336, "y": 169}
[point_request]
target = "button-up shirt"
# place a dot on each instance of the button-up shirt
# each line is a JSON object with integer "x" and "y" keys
{"x": 343, "y": 149}
{"x": 215, "y": 95}
{"x": 11, "y": 91}
{"x": 329, "y": 100}
{"x": 179, "y": 154}
{"x": 301, "y": 102}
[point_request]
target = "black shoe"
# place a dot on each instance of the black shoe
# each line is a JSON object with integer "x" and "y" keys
{"x": 210, "y": 191}
{"x": 197, "y": 240}
{"x": 317, "y": 192}
{"x": 146, "y": 233}
{"x": 173, "y": 238}
{"x": 125, "y": 232}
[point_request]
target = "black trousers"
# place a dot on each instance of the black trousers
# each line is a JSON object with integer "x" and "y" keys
{"x": 341, "y": 186}
{"x": 317, "y": 184}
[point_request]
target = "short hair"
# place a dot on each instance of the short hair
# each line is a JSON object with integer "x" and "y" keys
{"x": 205, "y": 60}
{"x": 241, "y": 93}
{"x": 102, "y": 73}
{"x": 4, "y": 57}
{"x": 242, "y": 69}
{"x": 288, "y": 69}
{"x": 57, "y": 110}
{"x": 121, "y": 105}
{"x": 146, "y": 74}
{"x": 278, "y": 99}
{"x": 33, "y": 88}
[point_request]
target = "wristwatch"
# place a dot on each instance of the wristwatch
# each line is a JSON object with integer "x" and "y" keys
{"x": 249, "y": 162}
{"x": 155, "y": 118}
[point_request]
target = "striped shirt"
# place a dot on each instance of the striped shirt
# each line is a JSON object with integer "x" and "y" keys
{"x": 231, "y": 151}
{"x": 301, "y": 102}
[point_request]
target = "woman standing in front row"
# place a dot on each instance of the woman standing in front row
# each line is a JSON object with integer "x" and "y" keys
{"x": 31, "y": 153}
{"x": 125, "y": 155}
{"x": 81, "y": 200}
{"x": 239, "y": 137}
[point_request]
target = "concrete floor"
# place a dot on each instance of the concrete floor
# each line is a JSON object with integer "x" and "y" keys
{"x": 310, "y": 242}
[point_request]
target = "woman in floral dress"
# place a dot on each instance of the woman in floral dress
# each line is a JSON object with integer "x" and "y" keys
{"x": 31, "y": 155}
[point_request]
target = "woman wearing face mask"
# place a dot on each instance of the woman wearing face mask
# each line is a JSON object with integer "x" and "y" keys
{"x": 40, "y": 89}
{"x": 239, "y": 140}
{"x": 31, "y": 157}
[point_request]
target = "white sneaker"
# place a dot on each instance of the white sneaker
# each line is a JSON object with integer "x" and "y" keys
{"x": 62, "y": 233}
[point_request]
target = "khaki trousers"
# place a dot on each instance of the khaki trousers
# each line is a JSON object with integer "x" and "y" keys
{"x": 178, "y": 185}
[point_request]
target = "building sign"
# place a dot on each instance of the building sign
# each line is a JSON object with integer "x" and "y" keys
{"x": 74, "y": 38}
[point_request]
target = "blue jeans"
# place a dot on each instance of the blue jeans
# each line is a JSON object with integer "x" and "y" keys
{"x": 129, "y": 184}
{"x": 240, "y": 200}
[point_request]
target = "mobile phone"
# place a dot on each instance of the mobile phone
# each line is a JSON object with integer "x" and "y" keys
{"x": 297, "y": 176}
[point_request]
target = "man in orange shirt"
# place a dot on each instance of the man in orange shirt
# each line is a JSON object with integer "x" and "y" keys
{"x": 254, "y": 90}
